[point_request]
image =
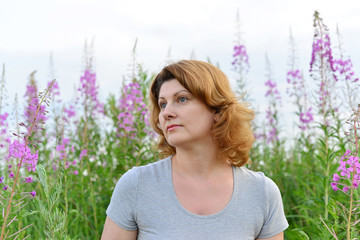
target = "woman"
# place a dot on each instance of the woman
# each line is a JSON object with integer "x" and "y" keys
{"x": 200, "y": 190}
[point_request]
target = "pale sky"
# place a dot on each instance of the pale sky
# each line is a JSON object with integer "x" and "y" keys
{"x": 30, "y": 30}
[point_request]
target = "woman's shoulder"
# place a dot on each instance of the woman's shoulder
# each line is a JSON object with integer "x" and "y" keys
{"x": 255, "y": 178}
{"x": 144, "y": 174}
{"x": 157, "y": 167}
{"x": 149, "y": 171}
{"x": 250, "y": 175}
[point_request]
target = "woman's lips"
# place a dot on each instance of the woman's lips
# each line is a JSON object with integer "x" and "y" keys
{"x": 172, "y": 127}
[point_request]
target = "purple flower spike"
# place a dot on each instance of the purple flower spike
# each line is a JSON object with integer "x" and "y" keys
{"x": 5, "y": 187}
{"x": 132, "y": 110}
{"x": 241, "y": 58}
{"x": 273, "y": 94}
{"x": 349, "y": 168}
{"x": 1, "y": 179}
{"x": 11, "y": 175}
{"x": 33, "y": 193}
{"x": 76, "y": 172}
{"x": 89, "y": 91}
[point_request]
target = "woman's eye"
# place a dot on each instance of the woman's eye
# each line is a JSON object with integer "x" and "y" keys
{"x": 182, "y": 99}
{"x": 162, "y": 105}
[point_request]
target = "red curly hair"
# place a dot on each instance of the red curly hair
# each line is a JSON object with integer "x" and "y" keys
{"x": 232, "y": 132}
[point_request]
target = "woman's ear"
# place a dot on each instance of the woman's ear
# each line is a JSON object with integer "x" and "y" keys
{"x": 216, "y": 116}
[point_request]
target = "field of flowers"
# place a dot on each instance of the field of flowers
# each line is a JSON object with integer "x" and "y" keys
{"x": 59, "y": 168}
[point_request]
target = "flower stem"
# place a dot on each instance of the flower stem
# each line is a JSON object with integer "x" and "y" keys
{"x": 350, "y": 211}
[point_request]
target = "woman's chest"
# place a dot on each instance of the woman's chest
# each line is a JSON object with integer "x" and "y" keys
{"x": 203, "y": 197}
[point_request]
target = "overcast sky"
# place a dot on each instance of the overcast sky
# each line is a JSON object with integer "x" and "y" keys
{"x": 30, "y": 30}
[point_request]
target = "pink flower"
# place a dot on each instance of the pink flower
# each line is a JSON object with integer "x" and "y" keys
{"x": 28, "y": 179}
{"x": 334, "y": 186}
{"x": 336, "y": 177}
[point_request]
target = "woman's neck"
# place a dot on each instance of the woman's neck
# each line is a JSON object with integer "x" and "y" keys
{"x": 199, "y": 163}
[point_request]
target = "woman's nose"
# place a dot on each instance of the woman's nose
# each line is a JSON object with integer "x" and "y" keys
{"x": 168, "y": 112}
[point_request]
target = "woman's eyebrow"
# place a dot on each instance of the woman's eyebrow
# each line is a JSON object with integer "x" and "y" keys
{"x": 184, "y": 90}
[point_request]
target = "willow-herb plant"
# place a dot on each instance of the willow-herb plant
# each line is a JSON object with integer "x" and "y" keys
{"x": 13, "y": 198}
{"x": 88, "y": 141}
{"x": 322, "y": 72}
{"x": 240, "y": 61}
{"x": 298, "y": 91}
{"x": 349, "y": 179}
{"x": 344, "y": 73}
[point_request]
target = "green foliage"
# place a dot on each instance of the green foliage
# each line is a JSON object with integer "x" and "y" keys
{"x": 48, "y": 206}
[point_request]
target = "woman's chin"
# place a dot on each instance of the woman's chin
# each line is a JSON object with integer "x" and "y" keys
{"x": 175, "y": 141}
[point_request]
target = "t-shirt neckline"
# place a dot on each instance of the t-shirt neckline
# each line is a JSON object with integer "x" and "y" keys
{"x": 173, "y": 193}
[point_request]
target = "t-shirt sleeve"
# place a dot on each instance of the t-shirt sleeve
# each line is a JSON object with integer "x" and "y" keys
{"x": 121, "y": 209}
{"x": 275, "y": 221}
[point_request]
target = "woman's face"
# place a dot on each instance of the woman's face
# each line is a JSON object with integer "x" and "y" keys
{"x": 184, "y": 119}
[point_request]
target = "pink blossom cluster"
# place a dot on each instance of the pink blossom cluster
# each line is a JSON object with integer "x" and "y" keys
{"x": 322, "y": 49}
{"x": 271, "y": 113}
{"x": 344, "y": 67}
{"x": 240, "y": 56}
{"x": 126, "y": 121}
{"x": 31, "y": 112}
{"x": 31, "y": 91}
{"x": 322, "y": 53}
{"x": 3, "y": 126}
{"x": 70, "y": 112}
{"x": 349, "y": 168}
{"x": 89, "y": 90}
{"x": 3, "y": 122}
{"x": 55, "y": 90}
{"x": 17, "y": 149}
{"x": 62, "y": 150}
{"x": 273, "y": 135}
{"x": 272, "y": 90}
{"x": 294, "y": 77}
{"x": 305, "y": 119}
{"x": 132, "y": 107}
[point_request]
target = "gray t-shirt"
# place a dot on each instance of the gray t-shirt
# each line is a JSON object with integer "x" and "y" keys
{"x": 144, "y": 199}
